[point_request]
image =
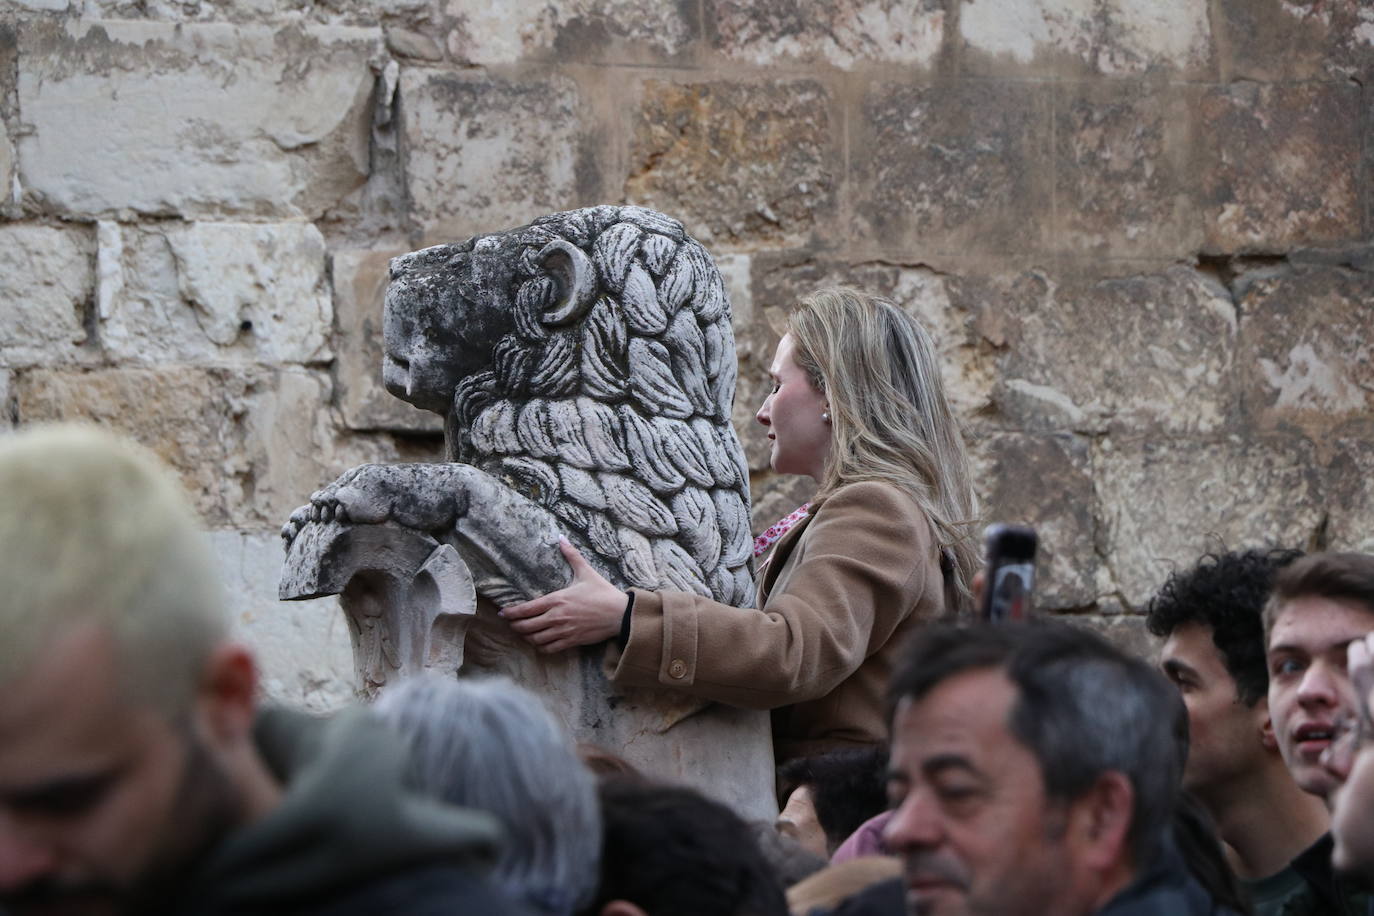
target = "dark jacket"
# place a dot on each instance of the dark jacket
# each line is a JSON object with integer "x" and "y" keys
{"x": 348, "y": 836}
{"x": 1166, "y": 888}
{"x": 886, "y": 898}
{"x": 1308, "y": 887}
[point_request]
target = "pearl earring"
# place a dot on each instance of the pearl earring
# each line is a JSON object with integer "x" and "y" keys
{"x": 825, "y": 416}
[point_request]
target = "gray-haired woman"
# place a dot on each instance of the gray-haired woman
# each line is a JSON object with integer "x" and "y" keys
{"x": 491, "y": 745}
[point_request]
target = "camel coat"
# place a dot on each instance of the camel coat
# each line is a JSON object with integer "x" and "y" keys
{"x": 837, "y": 595}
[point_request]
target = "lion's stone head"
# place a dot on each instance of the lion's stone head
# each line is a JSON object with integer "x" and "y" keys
{"x": 588, "y": 360}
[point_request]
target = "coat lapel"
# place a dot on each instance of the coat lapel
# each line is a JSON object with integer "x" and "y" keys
{"x": 781, "y": 550}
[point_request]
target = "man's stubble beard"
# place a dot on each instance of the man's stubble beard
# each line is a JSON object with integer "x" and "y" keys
{"x": 206, "y": 807}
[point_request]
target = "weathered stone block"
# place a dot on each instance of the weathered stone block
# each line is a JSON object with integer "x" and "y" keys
{"x": 46, "y": 281}
{"x": 211, "y": 292}
{"x": 1125, "y": 353}
{"x": 482, "y": 151}
{"x": 6, "y": 404}
{"x": 1280, "y": 166}
{"x": 412, "y": 44}
{"x": 605, "y": 30}
{"x": 304, "y": 654}
{"x": 740, "y": 164}
{"x": 1124, "y": 178}
{"x": 1046, "y": 481}
{"x": 360, "y": 279}
{"x": 958, "y": 167}
{"x": 764, "y": 32}
{"x": 1275, "y": 40}
{"x": 1349, "y": 474}
{"x": 1125, "y": 631}
{"x": 229, "y": 119}
{"x": 250, "y": 444}
{"x": 1307, "y": 347}
{"x": 342, "y": 12}
{"x": 7, "y": 164}
{"x": 1167, "y": 501}
{"x": 754, "y": 346}
{"x": 1115, "y": 37}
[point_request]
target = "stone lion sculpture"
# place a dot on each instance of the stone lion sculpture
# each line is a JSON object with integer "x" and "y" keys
{"x": 585, "y": 368}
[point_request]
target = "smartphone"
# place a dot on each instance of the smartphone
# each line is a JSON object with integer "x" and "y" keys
{"x": 1009, "y": 578}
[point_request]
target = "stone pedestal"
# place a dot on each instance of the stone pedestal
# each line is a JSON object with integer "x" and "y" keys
{"x": 411, "y": 606}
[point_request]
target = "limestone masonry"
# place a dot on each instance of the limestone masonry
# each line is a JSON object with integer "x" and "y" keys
{"x": 1142, "y": 233}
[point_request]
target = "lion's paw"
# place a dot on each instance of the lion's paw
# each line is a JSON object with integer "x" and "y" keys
{"x": 425, "y": 497}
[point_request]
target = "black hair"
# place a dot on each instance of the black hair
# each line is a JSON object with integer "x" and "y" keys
{"x": 848, "y": 787}
{"x": 673, "y": 852}
{"x": 1225, "y": 592}
{"x": 1083, "y": 708}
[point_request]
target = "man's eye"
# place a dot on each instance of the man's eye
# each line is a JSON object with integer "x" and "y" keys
{"x": 1286, "y": 666}
{"x": 65, "y": 800}
{"x": 956, "y": 792}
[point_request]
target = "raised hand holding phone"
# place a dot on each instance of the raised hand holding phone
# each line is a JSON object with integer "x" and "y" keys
{"x": 1009, "y": 577}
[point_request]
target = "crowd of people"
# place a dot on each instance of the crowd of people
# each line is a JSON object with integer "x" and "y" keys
{"x": 930, "y": 764}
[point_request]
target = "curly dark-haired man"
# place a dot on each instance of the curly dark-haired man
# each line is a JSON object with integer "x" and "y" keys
{"x": 1211, "y": 618}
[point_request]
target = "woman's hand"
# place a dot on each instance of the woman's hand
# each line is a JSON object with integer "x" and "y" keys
{"x": 586, "y": 612}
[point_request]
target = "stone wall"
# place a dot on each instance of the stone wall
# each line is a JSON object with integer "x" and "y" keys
{"x": 1141, "y": 232}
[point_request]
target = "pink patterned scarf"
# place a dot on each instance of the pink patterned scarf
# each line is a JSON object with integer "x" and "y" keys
{"x": 769, "y": 537}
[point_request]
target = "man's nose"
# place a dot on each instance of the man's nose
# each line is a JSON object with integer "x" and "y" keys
{"x": 1318, "y": 686}
{"x": 916, "y": 824}
{"x": 23, "y": 858}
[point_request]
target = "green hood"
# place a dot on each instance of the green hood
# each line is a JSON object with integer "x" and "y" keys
{"x": 347, "y": 817}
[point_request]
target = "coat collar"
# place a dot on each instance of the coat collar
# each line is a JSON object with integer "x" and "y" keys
{"x": 783, "y": 547}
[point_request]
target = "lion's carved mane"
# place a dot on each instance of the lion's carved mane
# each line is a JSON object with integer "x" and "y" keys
{"x": 606, "y": 395}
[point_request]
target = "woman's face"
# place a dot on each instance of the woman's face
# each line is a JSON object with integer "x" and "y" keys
{"x": 799, "y": 437}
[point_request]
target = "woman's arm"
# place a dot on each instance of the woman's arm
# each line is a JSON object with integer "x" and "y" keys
{"x": 864, "y": 563}
{"x": 588, "y": 611}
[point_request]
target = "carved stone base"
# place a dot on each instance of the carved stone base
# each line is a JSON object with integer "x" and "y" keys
{"x": 411, "y": 607}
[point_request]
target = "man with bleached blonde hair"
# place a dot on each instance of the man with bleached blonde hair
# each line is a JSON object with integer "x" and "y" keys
{"x": 136, "y": 773}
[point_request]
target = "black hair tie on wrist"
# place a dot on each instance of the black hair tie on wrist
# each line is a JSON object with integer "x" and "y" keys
{"x": 624, "y": 637}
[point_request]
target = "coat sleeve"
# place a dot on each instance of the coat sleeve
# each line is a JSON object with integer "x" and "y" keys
{"x": 856, "y": 572}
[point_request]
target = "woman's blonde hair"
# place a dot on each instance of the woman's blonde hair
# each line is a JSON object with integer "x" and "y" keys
{"x": 890, "y": 418}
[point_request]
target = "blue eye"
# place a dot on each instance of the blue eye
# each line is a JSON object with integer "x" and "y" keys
{"x": 1287, "y": 666}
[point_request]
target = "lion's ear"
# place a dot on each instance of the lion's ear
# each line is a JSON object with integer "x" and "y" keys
{"x": 575, "y": 278}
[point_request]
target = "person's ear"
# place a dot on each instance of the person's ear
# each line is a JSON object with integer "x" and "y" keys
{"x": 1100, "y": 821}
{"x": 228, "y": 693}
{"x": 1266, "y": 726}
{"x": 622, "y": 908}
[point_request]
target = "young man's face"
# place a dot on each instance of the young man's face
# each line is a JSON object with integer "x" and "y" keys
{"x": 1226, "y": 737}
{"x": 973, "y": 825}
{"x": 1310, "y": 693}
{"x": 100, "y": 797}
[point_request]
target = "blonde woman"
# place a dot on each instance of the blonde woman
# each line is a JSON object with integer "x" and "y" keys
{"x": 884, "y": 546}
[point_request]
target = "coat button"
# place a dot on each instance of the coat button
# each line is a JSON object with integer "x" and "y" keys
{"x": 678, "y": 668}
